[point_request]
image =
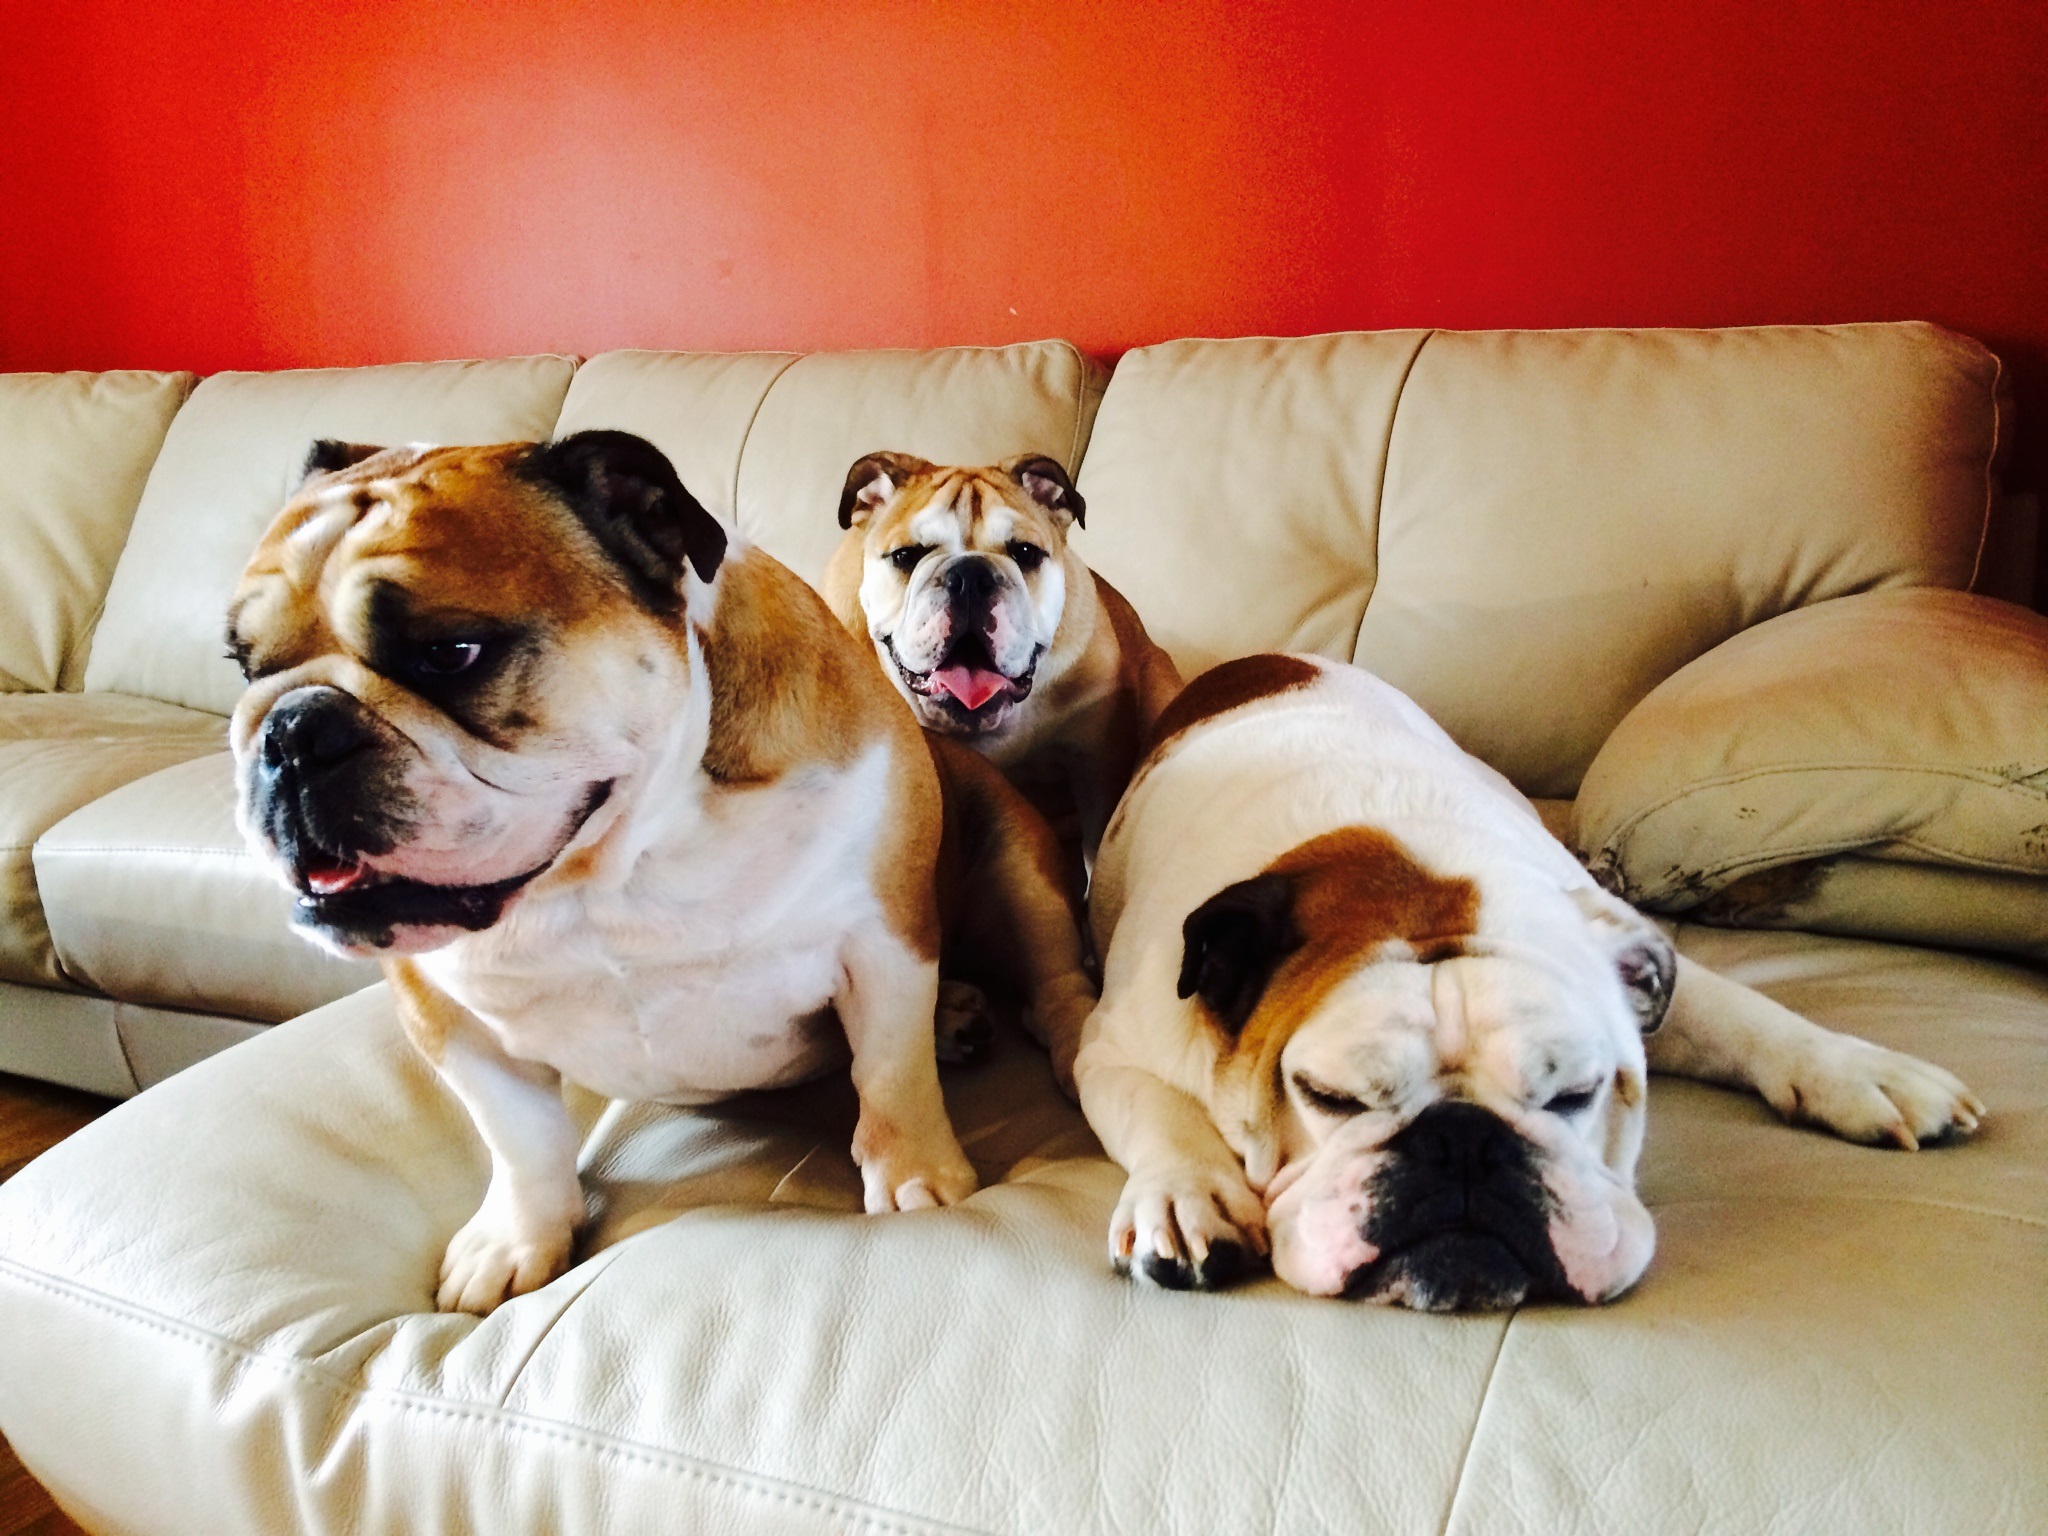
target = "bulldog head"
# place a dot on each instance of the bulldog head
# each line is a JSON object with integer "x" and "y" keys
{"x": 454, "y": 656}
{"x": 963, "y": 581}
{"x": 1435, "y": 1118}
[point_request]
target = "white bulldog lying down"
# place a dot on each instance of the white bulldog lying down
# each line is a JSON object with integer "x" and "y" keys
{"x": 1362, "y": 1013}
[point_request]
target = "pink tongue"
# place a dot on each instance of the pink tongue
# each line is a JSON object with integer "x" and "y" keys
{"x": 970, "y": 685}
{"x": 326, "y": 879}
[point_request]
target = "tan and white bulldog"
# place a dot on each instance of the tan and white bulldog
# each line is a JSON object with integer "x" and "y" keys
{"x": 616, "y": 801}
{"x": 988, "y": 622}
{"x": 1361, "y": 1011}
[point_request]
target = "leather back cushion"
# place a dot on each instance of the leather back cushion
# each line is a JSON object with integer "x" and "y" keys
{"x": 1528, "y": 531}
{"x": 229, "y": 462}
{"x": 75, "y": 448}
{"x": 764, "y": 439}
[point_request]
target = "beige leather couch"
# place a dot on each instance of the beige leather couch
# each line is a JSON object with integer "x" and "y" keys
{"x": 1697, "y": 591}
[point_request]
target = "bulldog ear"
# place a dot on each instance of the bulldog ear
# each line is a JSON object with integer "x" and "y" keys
{"x": 874, "y": 478}
{"x": 330, "y": 453}
{"x": 625, "y": 491}
{"x": 1643, "y": 957}
{"x": 1232, "y": 944}
{"x": 1046, "y": 482}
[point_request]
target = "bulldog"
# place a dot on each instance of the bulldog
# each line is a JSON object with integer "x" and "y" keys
{"x": 615, "y": 800}
{"x": 1363, "y": 1014}
{"x": 988, "y": 622}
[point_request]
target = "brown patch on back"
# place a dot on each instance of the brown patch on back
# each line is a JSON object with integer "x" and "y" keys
{"x": 1227, "y": 686}
{"x": 1356, "y": 889}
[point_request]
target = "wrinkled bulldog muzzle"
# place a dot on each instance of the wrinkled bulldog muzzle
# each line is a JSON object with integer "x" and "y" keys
{"x": 1459, "y": 1211}
{"x": 326, "y": 792}
{"x": 1459, "y": 1218}
{"x": 984, "y": 663}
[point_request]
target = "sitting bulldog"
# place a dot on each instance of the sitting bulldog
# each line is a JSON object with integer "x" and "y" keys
{"x": 616, "y": 800}
{"x": 987, "y": 621}
{"x": 1362, "y": 1012}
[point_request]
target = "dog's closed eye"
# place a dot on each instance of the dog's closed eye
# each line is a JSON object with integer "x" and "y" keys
{"x": 1331, "y": 1101}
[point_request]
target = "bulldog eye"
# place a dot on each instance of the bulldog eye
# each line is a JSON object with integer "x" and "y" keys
{"x": 906, "y": 558}
{"x": 1329, "y": 1100}
{"x": 1028, "y": 556}
{"x": 1573, "y": 1101}
{"x": 445, "y": 658}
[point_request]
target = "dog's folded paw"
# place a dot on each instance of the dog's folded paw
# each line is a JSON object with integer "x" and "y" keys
{"x": 500, "y": 1253}
{"x": 1188, "y": 1229}
{"x": 1865, "y": 1093}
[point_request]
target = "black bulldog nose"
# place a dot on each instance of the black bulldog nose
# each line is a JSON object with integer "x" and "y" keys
{"x": 314, "y": 730}
{"x": 1461, "y": 1143}
{"x": 970, "y": 583}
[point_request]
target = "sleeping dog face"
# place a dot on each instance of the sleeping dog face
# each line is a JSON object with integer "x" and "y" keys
{"x": 454, "y": 656}
{"x": 963, "y": 580}
{"x": 1442, "y": 1111}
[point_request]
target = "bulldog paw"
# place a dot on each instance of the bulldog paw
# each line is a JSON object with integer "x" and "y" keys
{"x": 912, "y": 1178}
{"x": 963, "y": 1026}
{"x": 500, "y": 1253}
{"x": 1865, "y": 1093}
{"x": 1191, "y": 1229}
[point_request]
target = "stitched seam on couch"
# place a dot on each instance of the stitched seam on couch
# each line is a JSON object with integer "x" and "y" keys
{"x": 1792, "y": 853}
{"x": 1379, "y": 495}
{"x": 1990, "y": 473}
{"x": 756, "y": 1484}
{"x": 101, "y": 850}
{"x": 1500, "y": 1348}
{"x": 739, "y": 459}
{"x": 1982, "y": 778}
{"x": 1955, "y": 1206}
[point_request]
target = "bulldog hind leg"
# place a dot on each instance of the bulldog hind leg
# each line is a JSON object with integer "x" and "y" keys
{"x": 1720, "y": 1031}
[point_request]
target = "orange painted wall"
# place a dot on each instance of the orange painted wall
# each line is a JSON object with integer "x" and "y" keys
{"x": 231, "y": 183}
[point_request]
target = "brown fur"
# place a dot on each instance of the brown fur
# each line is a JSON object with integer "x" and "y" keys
{"x": 1356, "y": 890}
{"x": 1227, "y": 686}
{"x": 423, "y": 1011}
{"x": 1102, "y": 674}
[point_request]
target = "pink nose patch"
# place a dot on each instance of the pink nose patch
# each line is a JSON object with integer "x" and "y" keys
{"x": 972, "y": 686}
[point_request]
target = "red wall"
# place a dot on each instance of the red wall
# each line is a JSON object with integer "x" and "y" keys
{"x": 233, "y": 183}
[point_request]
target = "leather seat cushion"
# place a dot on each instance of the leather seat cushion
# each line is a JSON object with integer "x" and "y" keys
{"x": 152, "y": 895}
{"x": 59, "y": 751}
{"x": 228, "y": 1279}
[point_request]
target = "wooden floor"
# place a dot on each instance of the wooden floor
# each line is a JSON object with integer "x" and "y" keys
{"x": 33, "y": 1118}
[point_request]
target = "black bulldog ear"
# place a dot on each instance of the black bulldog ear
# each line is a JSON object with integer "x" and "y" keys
{"x": 874, "y": 478}
{"x": 330, "y": 453}
{"x": 626, "y": 493}
{"x": 1643, "y": 957}
{"x": 1046, "y": 482}
{"x": 1234, "y": 942}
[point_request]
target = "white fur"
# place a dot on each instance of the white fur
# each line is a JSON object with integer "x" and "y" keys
{"x": 1532, "y": 1009}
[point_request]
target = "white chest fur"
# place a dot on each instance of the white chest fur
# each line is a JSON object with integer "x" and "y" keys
{"x": 701, "y": 964}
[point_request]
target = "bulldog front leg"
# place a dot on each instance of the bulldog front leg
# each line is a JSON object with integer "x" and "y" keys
{"x": 1187, "y": 1219}
{"x": 520, "y": 1237}
{"x": 903, "y": 1141}
{"x": 1720, "y": 1031}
